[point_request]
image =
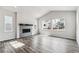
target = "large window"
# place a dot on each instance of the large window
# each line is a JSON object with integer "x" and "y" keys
{"x": 58, "y": 24}
{"x": 8, "y": 25}
{"x": 54, "y": 24}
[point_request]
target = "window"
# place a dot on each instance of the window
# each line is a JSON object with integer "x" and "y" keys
{"x": 53, "y": 24}
{"x": 46, "y": 24}
{"x": 58, "y": 24}
{"x": 8, "y": 24}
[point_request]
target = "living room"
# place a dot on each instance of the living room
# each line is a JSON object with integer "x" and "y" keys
{"x": 39, "y": 29}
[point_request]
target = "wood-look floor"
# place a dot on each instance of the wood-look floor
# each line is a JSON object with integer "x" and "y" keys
{"x": 41, "y": 44}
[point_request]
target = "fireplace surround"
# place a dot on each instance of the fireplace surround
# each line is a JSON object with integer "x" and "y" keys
{"x": 25, "y": 30}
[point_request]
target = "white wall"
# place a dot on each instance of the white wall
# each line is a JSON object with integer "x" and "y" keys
{"x": 26, "y": 17}
{"x": 70, "y": 27}
{"x": 77, "y": 26}
{"x": 6, "y": 35}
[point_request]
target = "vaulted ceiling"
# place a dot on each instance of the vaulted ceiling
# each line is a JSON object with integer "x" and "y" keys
{"x": 38, "y": 11}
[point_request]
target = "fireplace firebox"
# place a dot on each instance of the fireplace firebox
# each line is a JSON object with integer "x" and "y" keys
{"x": 25, "y": 30}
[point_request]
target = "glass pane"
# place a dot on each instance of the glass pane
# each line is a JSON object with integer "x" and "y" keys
{"x": 8, "y": 24}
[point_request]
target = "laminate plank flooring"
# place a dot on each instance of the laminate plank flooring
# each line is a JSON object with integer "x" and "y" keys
{"x": 40, "y": 44}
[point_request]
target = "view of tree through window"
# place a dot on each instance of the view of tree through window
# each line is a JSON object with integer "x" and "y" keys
{"x": 55, "y": 24}
{"x": 58, "y": 23}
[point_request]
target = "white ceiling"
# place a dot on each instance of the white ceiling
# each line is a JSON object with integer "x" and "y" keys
{"x": 14, "y": 8}
{"x": 10, "y": 8}
{"x": 39, "y": 10}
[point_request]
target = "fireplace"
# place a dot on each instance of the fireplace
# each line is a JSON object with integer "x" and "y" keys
{"x": 26, "y": 30}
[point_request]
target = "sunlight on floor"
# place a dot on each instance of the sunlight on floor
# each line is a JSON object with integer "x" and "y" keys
{"x": 17, "y": 44}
